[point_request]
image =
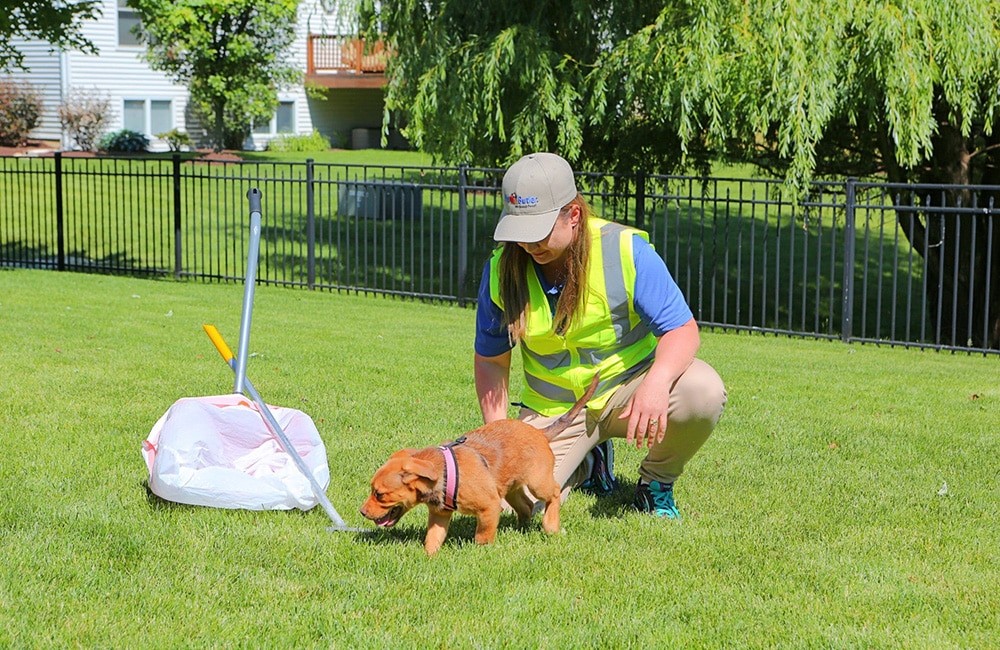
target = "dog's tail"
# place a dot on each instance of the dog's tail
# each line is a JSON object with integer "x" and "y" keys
{"x": 566, "y": 418}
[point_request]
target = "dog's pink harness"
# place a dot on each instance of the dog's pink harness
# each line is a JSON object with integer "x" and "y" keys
{"x": 450, "y": 475}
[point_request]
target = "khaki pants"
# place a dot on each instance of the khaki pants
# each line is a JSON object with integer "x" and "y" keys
{"x": 696, "y": 402}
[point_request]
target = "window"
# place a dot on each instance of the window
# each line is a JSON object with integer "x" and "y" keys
{"x": 161, "y": 118}
{"x": 134, "y": 115}
{"x": 148, "y": 116}
{"x": 284, "y": 118}
{"x": 128, "y": 24}
{"x": 283, "y": 121}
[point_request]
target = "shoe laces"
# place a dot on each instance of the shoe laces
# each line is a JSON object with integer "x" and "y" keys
{"x": 663, "y": 496}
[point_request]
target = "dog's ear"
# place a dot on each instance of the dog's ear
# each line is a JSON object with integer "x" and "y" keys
{"x": 420, "y": 469}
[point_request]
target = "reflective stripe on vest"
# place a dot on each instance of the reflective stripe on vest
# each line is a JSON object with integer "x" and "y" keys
{"x": 609, "y": 337}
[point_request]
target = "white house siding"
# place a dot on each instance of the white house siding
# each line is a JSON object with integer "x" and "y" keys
{"x": 342, "y": 110}
{"x": 311, "y": 19}
{"x": 119, "y": 74}
{"x": 43, "y": 76}
{"x": 116, "y": 73}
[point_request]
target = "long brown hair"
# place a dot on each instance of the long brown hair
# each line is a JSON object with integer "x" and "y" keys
{"x": 514, "y": 265}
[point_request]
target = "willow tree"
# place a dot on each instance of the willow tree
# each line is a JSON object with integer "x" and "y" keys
{"x": 903, "y": 90}
{"x": 233, "y": 55}
{"x": 484, "y": 82}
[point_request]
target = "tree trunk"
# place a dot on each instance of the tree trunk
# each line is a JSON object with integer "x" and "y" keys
{"x": 990, "y": 259}
{"x": 219, "y": 131}
{"x": 959, "y": 240}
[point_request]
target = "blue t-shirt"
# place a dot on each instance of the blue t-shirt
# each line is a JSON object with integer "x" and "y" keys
{"x": 658, "y": 301}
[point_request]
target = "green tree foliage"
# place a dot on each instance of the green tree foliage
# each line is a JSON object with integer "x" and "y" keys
{"x": 57, "y": 23}
{"x": 232, "y": 55}
{"x": 820, "y": 86}
{"x": 903, "y": 90}
{"x": 485, "y": 82}
{"x": 800, "y": 86}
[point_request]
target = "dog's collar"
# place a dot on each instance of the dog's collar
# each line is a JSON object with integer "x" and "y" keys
{"x": 450, "y": 475}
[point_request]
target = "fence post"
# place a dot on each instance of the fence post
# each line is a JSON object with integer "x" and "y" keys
{"x": 640, "y": 199}
{"x": 60, "y": 218}
{"x": 311, "y": 222}
{"x": 847, "y": 314}
{"x": 178, "y": 249}
{"x": 463, "y": 232}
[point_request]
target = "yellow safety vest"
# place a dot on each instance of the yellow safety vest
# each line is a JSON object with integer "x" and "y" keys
{"x": 608, "y": 337}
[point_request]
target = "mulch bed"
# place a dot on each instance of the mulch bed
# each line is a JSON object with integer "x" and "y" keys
{"x": 38, "y": 148}
{"x": 32, "y": 147}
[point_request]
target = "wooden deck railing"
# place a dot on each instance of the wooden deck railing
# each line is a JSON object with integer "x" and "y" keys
{"x": 344, "y": 54}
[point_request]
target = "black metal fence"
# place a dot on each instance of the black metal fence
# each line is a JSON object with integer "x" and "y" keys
{"x": 899, "y": 264}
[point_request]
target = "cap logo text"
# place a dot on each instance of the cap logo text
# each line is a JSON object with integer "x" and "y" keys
{"x": 522, "y": 201}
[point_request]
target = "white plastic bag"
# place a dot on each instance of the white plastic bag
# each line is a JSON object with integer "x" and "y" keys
{"x": 218, "y": 452}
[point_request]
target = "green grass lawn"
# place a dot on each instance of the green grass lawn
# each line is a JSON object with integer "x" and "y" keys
{"x": 377, "y": 157}
{"x": 847, "y": 499}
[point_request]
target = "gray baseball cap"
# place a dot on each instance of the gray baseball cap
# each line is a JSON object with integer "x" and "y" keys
{"x": 535, "y": 188}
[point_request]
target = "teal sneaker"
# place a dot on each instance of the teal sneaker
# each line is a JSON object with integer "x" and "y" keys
{"x": 656, "y": 498}
{"x": 601, "y": 481}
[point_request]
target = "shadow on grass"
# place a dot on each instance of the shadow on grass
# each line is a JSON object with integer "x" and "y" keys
{"x": 157, "y": 503}
{"x": 461, "y": 532}
{"x": 19, "y": 254}
{"x": 399, "y": 535}
{"x": 616, "y": 505}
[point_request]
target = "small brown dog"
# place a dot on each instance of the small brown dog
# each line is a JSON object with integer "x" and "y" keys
{"x": 495, "y": 461}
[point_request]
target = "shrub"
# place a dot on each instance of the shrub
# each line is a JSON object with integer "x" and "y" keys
{"x": 84, "y": 115}
{"x": 176, "y": 139}
{"x": 124, "y": 141}
{"x": 287, "y": 143}
{"x": 20, "y": 109}
{"x": 235, "y": 136}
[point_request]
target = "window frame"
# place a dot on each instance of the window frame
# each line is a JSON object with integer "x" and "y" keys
{"x": 147, "y": 114}
{"x": 122, "y": 10}
{"x": 271, "y": 129}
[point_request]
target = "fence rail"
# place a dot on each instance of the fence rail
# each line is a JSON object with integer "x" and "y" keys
{"x": 911, "y": 265}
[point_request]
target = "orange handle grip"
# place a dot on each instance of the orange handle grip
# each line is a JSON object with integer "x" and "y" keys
{"x": 219, "y": 342}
